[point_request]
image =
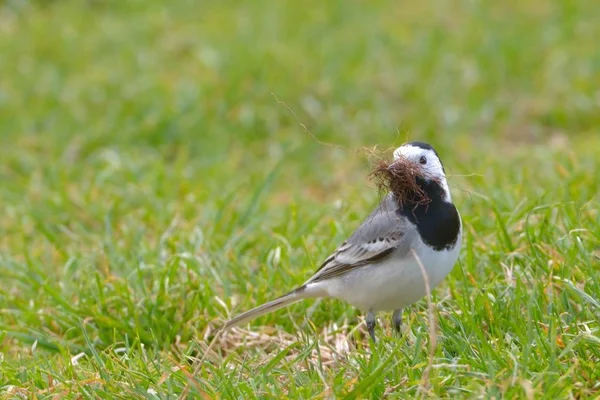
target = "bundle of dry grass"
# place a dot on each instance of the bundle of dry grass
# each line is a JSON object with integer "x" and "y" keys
{"x": 400, "y": 178}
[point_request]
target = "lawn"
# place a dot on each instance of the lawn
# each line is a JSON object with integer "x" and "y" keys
{"x": 165, "y": 165}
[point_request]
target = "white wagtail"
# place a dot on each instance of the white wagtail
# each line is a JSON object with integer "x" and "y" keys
{"x": 380, "y": 267}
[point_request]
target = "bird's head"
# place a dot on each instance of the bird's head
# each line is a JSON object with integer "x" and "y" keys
{"x": 425, "y": 156}
{"x": 425, "y": 160}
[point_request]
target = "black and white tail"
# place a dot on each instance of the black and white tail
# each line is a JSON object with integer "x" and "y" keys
{"x": 285, "y": 300}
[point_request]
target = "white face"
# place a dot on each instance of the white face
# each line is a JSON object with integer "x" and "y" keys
{"x": 424, "y": 156}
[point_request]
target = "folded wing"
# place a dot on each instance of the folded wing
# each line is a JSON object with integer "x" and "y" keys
{"x": 383, "y": 232}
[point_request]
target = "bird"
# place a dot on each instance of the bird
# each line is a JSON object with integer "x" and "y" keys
{"x": 379, "y": 268}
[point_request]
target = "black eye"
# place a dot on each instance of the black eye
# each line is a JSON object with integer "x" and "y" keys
{"x": 423, "y": 160}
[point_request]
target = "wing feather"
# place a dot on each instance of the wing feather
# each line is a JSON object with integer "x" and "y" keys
{"x": 382, "y": 233}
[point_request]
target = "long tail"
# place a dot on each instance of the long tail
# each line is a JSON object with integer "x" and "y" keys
{"x": 285, "y": 300}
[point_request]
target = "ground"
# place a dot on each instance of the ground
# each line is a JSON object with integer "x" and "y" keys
{"x": 166, "y": 165}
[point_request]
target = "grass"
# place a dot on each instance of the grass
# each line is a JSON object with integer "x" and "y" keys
{"x": 152, "y": 185}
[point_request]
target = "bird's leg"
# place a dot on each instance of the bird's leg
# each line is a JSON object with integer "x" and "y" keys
{"x": 370, "y": 320}
{"x": 397, "y": 320}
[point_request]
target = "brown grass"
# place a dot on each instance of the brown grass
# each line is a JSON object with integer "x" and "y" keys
{"x": 334, "y": 342}
{"x": 400, "y": 178}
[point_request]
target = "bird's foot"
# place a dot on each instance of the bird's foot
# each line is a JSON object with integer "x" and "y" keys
{"x": 397, "y": 321}
{"x": 370, "y": 321}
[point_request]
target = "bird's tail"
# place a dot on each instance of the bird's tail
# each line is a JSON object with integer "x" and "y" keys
{"x": 285, "y": 300}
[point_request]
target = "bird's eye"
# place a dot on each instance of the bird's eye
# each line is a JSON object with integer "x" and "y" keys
{"x": 423, "y": 160}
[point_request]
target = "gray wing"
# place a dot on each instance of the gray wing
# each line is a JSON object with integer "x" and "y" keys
{"x": 383, "y": 232}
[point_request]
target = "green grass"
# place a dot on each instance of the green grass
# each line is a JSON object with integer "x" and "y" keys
{"x": 152, "y": 185}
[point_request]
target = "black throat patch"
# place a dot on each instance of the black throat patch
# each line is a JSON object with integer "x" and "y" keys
{"x": 438, "y": 221}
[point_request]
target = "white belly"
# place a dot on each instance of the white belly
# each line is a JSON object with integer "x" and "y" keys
{"x": 394, "y": 283}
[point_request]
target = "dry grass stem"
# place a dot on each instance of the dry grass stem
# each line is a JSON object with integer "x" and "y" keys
{"x": 400, "y": 178}
{"x": 425, "y": 386}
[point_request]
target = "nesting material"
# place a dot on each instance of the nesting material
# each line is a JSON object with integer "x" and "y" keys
{"x": 400, "y": 178}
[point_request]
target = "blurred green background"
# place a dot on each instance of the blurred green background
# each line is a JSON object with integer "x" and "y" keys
{"x": 153, "y": 178}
